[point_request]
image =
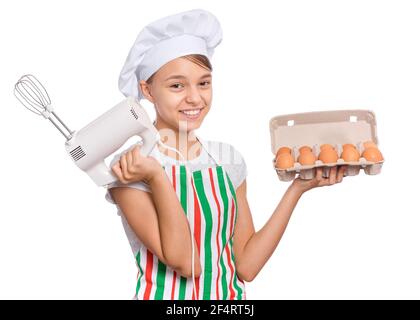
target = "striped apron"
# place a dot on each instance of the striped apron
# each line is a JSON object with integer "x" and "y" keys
{"x": 209, "y": 201}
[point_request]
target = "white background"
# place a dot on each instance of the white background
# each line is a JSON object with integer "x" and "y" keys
{"x": 60, "y": 239}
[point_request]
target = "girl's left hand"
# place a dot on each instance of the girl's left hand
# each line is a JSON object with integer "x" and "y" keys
{"x": 336, "y": 176}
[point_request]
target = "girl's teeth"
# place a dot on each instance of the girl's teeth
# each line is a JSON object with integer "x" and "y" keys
{"x": 191, "y": 113}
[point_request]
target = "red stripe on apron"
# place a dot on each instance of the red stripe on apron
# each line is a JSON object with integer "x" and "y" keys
{"x": 197, "y": 234}
{"x": 149, "y": 268}
{"x": 217, "y": 234}
{"x": 173, "y": 286}
{"x": 232, "y": 292}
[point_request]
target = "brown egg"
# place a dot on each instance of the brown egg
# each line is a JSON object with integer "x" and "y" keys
{"x": 284, "y": 161}
{"x": 328, "y": 155}
{"x": 369, "y": 144}
{"x": 372, "y": 154}
{"x": 283, "y": 150}
{"x": 326, "y": 146}
{"x": 350, "y": 154}
{"x": 304, "y": 149}
{"x": 348, "y": 145}
{"x": 307, "y": 158}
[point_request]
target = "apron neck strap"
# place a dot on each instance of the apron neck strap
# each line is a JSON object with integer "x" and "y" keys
{"x": 207, "y": 147}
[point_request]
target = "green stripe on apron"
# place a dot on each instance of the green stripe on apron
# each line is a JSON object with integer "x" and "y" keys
{"x": 198, "y": 179}
{"x": 223, "y": 194}
{"x": 160, "y": 281}
{"x": 141, "y": 273}
{"x": 183, "y": 196}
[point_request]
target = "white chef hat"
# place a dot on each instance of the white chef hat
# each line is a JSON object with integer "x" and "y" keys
{"x": 191, "y": 32}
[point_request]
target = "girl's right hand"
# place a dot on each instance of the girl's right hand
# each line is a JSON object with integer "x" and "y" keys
{"x": 133, "y": 167}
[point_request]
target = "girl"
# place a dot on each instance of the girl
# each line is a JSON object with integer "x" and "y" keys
{"x": 162, "y": 206}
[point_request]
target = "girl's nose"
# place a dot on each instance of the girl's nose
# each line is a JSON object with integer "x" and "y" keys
{"x": 193, "y": 95}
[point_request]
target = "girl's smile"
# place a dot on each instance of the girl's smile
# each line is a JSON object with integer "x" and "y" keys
{"x": 191, "y": 114}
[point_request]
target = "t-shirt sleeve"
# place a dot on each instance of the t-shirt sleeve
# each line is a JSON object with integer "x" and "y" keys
{"x": 140, "y": 185}
{"x": 237, "y": 169}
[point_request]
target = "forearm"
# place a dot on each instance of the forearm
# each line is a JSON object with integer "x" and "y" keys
{"x": 262, "y": 244}
{"x": 173, "y": 226}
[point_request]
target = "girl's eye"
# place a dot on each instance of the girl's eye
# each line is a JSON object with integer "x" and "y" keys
{"x": 180, "y": 85}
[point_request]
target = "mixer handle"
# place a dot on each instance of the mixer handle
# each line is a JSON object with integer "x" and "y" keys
{"x": 103, "y": 175}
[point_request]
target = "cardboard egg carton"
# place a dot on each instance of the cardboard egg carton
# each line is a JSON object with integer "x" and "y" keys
{"x": 314, "y": 129}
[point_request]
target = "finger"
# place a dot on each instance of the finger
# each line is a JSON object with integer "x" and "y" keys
{"x": 117, "y": 171}
{"x": 319, "y": 180}
{"x": 340, "y": 174}
{"x": 324, "y": 182}
{"x": 136, "y": 154}
{"x": 337, "y": 171}
{"x": 129, "y": 157}
{"x": 333, "y": 173}
{"x": 123, "y": 162}
{"x": 319, "y": 173}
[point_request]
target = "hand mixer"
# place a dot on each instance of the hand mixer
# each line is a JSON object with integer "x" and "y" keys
{"x": 92, "y": 144}
{"x": 89, "y": 146}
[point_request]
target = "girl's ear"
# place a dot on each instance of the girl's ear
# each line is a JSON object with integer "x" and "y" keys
{"x": 145, "y": 89}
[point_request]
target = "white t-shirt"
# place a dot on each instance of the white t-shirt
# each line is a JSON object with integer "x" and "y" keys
{"x": 224, "y": 153}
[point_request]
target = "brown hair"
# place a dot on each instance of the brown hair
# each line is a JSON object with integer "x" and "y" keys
{"x": 198, "y": 59}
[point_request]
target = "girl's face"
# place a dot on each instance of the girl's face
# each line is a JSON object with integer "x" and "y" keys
{"x": 181, "y": 92}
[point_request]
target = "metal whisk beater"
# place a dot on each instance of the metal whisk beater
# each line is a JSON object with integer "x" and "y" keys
{"x": 33, "y": 95}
